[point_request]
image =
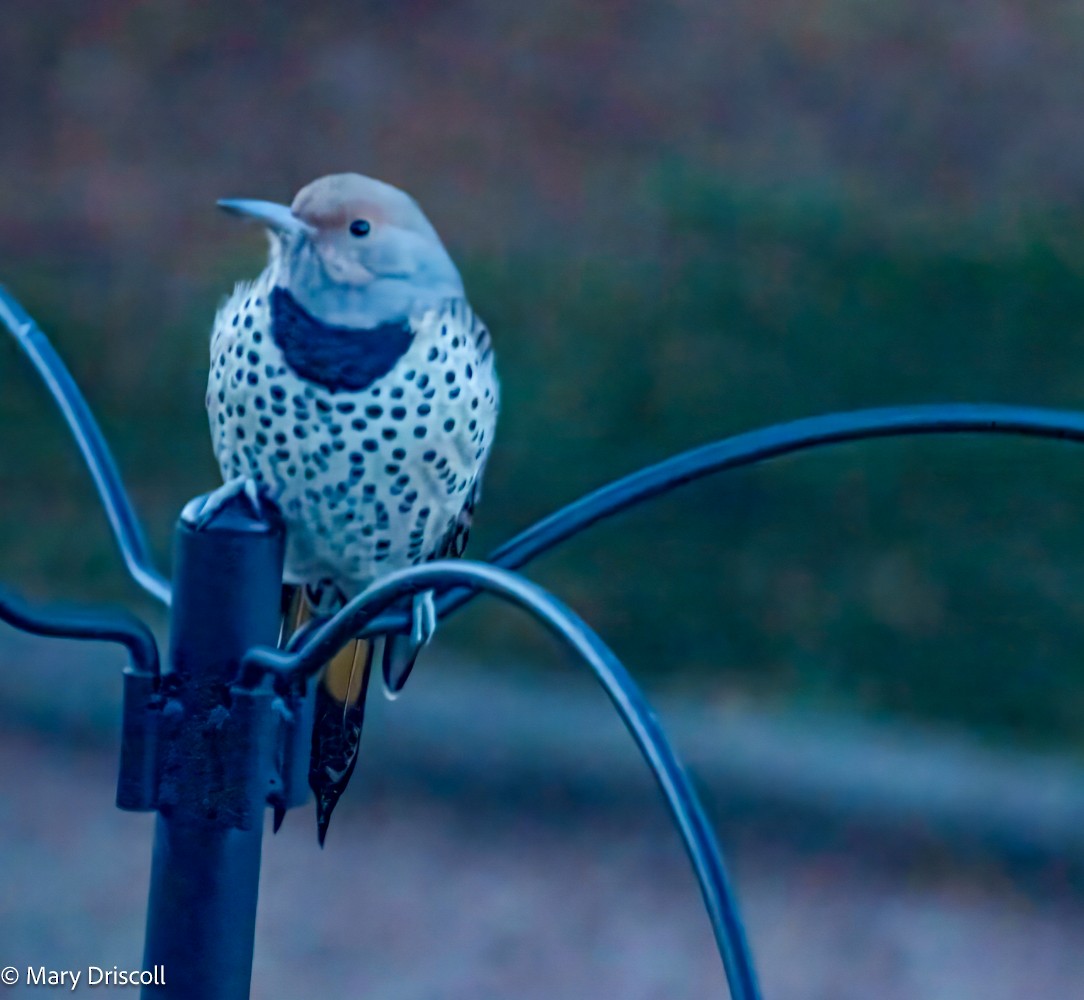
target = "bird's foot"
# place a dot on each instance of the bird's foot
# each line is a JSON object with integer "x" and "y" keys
{"x": 423, "y": 619}
{"x": 401, "y": 651}
{"x": 324, "y": 598}
{"x": 201, "y": 510}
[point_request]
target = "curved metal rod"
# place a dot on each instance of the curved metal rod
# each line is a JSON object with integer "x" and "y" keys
{"x": 729, "y": 453}
{"x": 749, "y": 449}
{"x": 638, "y": 717}
{"x": 79, "y": 623}
{"x": 88, "y": 436}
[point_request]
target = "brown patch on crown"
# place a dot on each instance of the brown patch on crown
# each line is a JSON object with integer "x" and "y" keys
{"x": 334, "y": 202}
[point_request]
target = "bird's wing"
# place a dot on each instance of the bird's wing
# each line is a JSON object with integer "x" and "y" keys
{"x": 454, "y": 543}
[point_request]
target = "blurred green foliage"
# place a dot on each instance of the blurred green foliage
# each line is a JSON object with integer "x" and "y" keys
{"x": 939, "y": 579}
{"x": 681, "y": 221}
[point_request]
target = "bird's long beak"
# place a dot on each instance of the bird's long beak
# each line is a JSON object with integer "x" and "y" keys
{"x": 274, "y": 216}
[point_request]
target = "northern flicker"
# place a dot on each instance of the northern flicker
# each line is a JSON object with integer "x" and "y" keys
{"x": 352, "y": 384}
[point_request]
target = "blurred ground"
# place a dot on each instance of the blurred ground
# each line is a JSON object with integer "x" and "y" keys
{"x": 503, "y": 840}
{"x": 423, "y": 896}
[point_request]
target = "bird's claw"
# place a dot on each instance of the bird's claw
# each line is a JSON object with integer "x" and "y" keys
{"x": 201, "y": 510}
{"x": 401, "y": 651}
{"x": 423, "y": 620}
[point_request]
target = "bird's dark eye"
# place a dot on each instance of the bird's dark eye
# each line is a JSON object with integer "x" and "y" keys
{"x": 360, "y": 227}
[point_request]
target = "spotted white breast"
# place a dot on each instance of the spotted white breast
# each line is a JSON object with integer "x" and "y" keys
{"x": 376, "y": 458}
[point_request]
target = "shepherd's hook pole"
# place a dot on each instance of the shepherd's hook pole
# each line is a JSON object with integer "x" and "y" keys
{"x": 213, "y": 782}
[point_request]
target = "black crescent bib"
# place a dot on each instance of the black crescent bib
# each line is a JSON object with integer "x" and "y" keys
{"x": 340, "y": 358}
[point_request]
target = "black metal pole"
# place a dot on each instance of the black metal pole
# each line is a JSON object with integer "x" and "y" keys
{"x": 214, "y": 769}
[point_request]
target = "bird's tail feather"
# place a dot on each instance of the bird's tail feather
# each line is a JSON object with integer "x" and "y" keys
{"x": 339, "y": 712}
{"x": 336, "y": 731}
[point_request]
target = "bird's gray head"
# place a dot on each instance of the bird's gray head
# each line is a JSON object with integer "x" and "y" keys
{"x": 354, "y": 251}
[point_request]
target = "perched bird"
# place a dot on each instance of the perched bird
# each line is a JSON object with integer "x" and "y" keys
{"x": 353, "y": 385}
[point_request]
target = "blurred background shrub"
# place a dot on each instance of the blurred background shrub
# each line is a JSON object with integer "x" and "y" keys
{"x": 681, "y": 220}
